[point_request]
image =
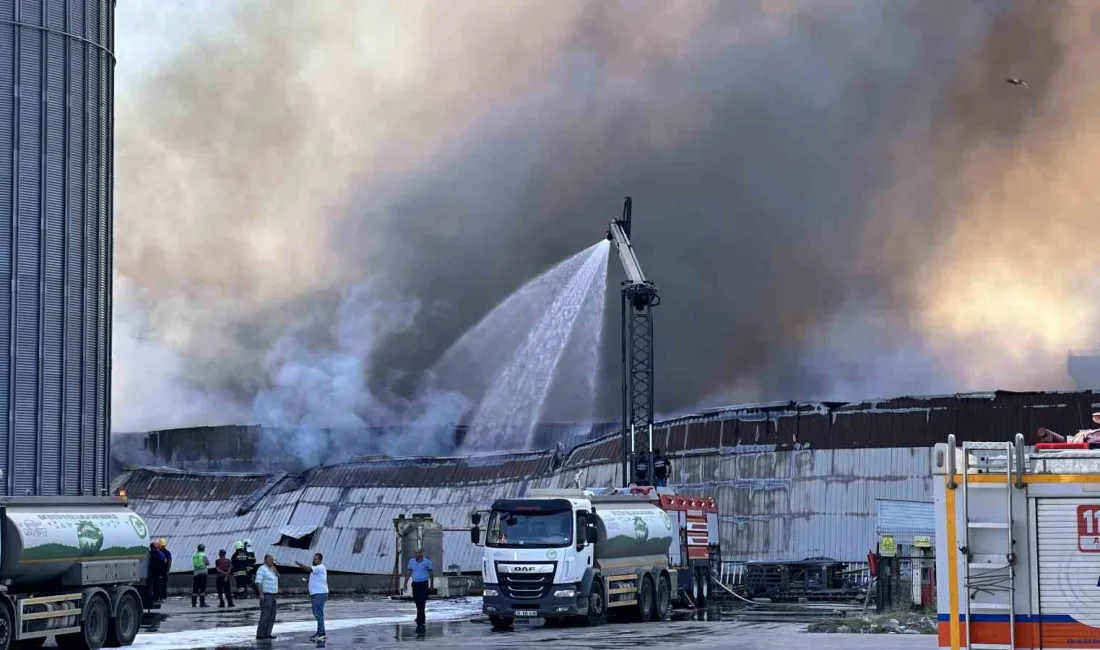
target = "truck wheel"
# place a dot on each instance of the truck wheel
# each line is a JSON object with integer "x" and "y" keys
{"x": 95, "y": 622}
{"x": 597, "y": 605}
{"x": 5, "y": 628}
{"x": 664, "y": 595}
{"x": 501, "y": 622}
{"x": 124, "y": 626}
{"x": 645, "y": 600}
{"x": 702, "y": 587}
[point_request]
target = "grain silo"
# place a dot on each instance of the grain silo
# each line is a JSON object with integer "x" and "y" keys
{"x": 56, "y": 131}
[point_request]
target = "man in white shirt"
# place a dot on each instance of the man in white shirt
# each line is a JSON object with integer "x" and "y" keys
{"x": 267, "y": 583}
{"x": 318, "y": 593}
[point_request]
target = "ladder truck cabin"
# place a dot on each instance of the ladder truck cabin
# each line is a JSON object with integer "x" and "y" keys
{"x": 1017, "y": 544}
{"x": 589, "y": 553}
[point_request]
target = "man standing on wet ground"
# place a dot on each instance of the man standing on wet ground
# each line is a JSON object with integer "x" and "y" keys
{"x": 224, "y": 569}
{"x": 267, "y": 583}
{"x": 200, "y": 565}
{"x": 318, "y": 593}
{"x": 420, "y": 570}
{"x": 157, "y": 566}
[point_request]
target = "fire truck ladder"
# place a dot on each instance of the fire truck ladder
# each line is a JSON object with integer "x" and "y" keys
{"x": 986, "y": 536}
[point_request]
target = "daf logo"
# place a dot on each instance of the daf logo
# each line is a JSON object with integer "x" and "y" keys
{"x": 524, "y": 569}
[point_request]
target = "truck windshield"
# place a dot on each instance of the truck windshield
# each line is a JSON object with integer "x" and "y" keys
{"x": 515, "y": 529}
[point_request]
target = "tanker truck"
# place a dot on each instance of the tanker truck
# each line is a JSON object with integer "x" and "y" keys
{"x": 68, "y": 569}
{"x": 590, "y": 554}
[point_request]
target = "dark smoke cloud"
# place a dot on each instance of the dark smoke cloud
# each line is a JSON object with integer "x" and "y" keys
{"x": 808, "y": 182}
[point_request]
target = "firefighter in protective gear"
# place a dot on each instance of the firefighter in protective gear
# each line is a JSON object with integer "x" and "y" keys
{"x": 251, "y": 554}
{"x": 240, "y": 569}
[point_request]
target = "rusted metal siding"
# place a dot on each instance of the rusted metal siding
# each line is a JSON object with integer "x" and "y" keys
{"x": 899, "y": 422}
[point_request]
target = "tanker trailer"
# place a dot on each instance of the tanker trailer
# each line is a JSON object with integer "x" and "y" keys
{"x": 582, "y": 554}
{"x": 68, "y": 568}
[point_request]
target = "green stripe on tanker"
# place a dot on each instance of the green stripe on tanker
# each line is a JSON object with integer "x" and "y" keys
{"x": 632, "y": 531}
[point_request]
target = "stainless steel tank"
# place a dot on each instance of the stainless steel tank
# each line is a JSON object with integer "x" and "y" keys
{"x": 42, "y": 542}
{"x": 56, "y": 132}
{"x": 632, "y": 530}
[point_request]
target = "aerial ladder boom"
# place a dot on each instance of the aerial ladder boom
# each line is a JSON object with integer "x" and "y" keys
{"x": 639, "y": 296}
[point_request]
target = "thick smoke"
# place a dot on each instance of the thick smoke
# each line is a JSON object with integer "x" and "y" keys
{"x": 835, "y": 199}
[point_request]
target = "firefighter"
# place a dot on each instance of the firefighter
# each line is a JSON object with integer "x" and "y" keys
{"x": 641, "y": 468}
{"x": 250, "y": 553}
{"x": 239, "y": 560}
{"x": 661, "y": 469}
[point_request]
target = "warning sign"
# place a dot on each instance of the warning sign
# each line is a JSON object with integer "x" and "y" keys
{"x": 1088, "y": 528}
{"x": 922, "y": 541}
{"x": 887, "y": 547}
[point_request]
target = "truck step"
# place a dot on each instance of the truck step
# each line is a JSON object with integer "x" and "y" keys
{"x": 988, "y": 566}
{"x": 999, "y": 485}
{"x": 622, "y": 590}
{"x": 995, "y": 525}
{"x": 990, "y": 646}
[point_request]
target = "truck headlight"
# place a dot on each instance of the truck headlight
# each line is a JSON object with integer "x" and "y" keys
{"x": 491, "y": 593}
{"x": 565, "y": 593}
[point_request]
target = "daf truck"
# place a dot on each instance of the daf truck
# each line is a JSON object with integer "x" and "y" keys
{"x": 68, "y": 569}
{"x": 588, "y": 554}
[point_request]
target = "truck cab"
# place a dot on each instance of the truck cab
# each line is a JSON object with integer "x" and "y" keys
{"x": 561, "y": 554}
{"x": 538, "y": 553}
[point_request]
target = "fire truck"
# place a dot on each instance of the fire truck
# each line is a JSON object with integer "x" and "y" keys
{"x": 1017, "y": 545}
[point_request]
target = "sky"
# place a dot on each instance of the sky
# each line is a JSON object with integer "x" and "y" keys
{"x": 837, "y": 200}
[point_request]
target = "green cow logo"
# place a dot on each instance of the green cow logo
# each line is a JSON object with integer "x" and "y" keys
{"x": 641, "y": 530}
{"x": 89, "y": 537}
{"x": 139, "y": 526}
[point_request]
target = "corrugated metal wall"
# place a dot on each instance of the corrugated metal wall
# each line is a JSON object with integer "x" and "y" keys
{"x": 56, "y": 130}
{"x": 772, "y": 504}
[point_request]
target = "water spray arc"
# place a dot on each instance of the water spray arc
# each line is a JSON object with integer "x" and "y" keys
{"x": 639, "y": 297}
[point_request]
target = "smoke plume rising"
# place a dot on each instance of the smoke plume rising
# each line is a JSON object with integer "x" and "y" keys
{"x": 835, "y": 199}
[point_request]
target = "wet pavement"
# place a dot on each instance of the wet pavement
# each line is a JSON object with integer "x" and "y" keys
{"x": 382, "y": 623}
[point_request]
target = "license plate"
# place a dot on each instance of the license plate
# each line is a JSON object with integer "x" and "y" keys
{"x": 527, "y": 612}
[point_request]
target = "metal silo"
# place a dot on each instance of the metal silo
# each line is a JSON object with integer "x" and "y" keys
{"x": 56, "y": 132}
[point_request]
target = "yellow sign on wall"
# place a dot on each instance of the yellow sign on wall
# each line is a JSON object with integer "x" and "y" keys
{"x": 887, "y": 547}
{"x": 922, "y": 541}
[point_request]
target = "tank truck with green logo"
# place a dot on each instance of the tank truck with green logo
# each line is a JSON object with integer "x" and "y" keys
{"x": 588, "y": 554}
{"x": 69, "y": 567}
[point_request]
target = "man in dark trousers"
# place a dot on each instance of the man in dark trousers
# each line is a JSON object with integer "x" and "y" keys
{"x": 641, "y": 468}
{"x": 200, "y": 565}
{"x": 267, "y": 583}
{"x": 240, "y": 569}
{"x": 224, "y": 569}
{"x": 250, "y": 553}
{"x": 661, "y": 469}
{"x": 157, "y": 567}
{"x": 420, "y": 570}
{"x": 162, "y": 582}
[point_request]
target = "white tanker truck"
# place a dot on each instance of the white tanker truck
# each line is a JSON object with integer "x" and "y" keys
{"x": 68, "y": 566}
{"x": 585, "y": 554}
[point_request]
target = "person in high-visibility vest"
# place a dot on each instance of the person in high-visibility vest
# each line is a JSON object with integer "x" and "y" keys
{"x": 200, "y": 565}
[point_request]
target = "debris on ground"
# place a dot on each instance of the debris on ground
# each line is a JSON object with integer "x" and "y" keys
{"x": 888, "y": 623}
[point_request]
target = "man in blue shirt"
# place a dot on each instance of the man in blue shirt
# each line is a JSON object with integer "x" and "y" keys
{"x": 420, "y": 570}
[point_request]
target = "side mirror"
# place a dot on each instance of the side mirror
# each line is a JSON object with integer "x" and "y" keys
{"x": 475, "y": 535}
{"x": 475, "y": 518}
{"x": 591, "y": 533}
